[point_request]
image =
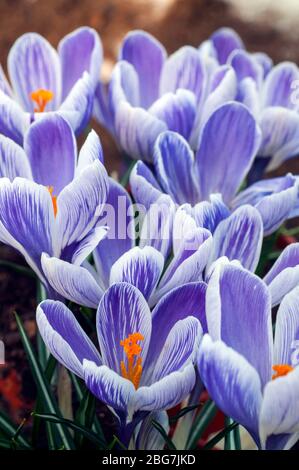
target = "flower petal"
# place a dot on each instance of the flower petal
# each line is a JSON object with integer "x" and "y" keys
{"x": 245, "y": 65}
{"x": 64, "y": 337}
{"x": 13, "y": 160}
{"x": 108, "y": 386}
{"x": 13, "y": 120}
{"x": 177, "y": 110}
{"x": 90, "y": 151}
{"x": 78, "y": 205}
{"x": 225, "y": 41}
{"x": 180, "y": 348}
{"x": 284, "y": 274}
{"x": 33, "y": 64}
{"x": 72, "y": 282}
{"x": 209, "y": 214}
{"x": 141, "y": 267}
{"x": 121, "y": 234}
{"x": 229, "y": 134}
{"x": 278, "y": 85}
{"x": 52, "y": 152}
{"x": 184, "y": 301}
{"x": 137, "y": 130}
{"x": 122, "y": 311}
{"x": 167, "y": 392}
{"x": 231, "y": 382}
{"x": 287, "y": 330}
{"x": 240, "y": 237}
{"x": 239, "y": 313}
{"x": 279, "y": 411}
{"x": 144, "y": 186}
{"x": 280, "y": 135}
{"x": 77, "y": 107}
{"x": 147, "y": 55}
{"x": 174, "y": 160}
{"x": 80, "y": 51}
{"x": 184, "y": 69}
{"x": 157, "y": 225}
{"x": 26, "y": 219}
{"x": 189, "y": 262}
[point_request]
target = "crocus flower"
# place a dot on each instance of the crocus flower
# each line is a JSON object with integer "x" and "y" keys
{"x": 137, "y": 371}
{"x": 237, "y": 237}
{"x": 33, "y": 220}
{"x": 44, "y": 80}
{"x": 250, "y": 378}
{"x": 150, "y": 93}
{"x": 229, "y": 141}
{"x": 49, "y": 156}
{"x": 271, "y": 93}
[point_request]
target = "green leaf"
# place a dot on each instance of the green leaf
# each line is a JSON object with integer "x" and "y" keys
{"x": 96, "y": 427}
{"x": 91, "y": 436}
{"x": 17, "y": 268}
{"x": 220, "y": 436}
{"x": 44, "y": 388}
{"x": 85, "y": 415}
{"x": 10, "y": 430}
{"x": 183, "y": 412}
{"x": 49, "y": 372}
{"x": 164, "y": 434}
{"x": 229, "y": 439}
{"x": 206, "y": 415}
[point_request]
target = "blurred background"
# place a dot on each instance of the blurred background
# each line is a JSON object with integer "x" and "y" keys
{"x": 264, "y": 25}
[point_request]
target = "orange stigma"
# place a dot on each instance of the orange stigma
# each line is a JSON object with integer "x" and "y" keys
{"x": 132, "y": 350}
{"x": 281, "y": 370}
{"x": 54, "y": 199}
{"x": 41, "y": 98}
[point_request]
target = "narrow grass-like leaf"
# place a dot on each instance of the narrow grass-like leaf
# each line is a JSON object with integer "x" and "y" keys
{"x": 90, "y": 435}
{"x": 222, "y": 434}
{"x": 18, "y": 268}
{"x": 207, "y": 413}
{"x": 164, "y": 434}
{"x": 85, "y": 415}
{"x": 44, "y": 388}
{"x": 10, "y": 430}
{"x": 78, "y": 386}
{"x": 183, "y": 412}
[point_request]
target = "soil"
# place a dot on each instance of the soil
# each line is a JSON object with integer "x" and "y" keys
{"x": 185, "y": 22}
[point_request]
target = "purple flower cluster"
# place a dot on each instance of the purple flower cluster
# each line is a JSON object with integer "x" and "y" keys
{"x": 170, "y": 265}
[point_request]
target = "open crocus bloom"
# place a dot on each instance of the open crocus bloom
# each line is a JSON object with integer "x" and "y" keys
{"x": 49, "y": 156}
{"x": 34, "y": 220}
{"x": 150, "y": 93}
{"x": 250, "y": 379}
{"x": 227, "y": 147}
{"x": 44, "y": 80}
{"x": 270, "y": 93}
{"x": 136, "y": 369}
{"x": 237, "y": 236}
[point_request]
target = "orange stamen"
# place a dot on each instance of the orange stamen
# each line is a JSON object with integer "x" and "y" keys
{"x": 41, "y": 98}
{"x": 54, "y": 199}
{"x": 281, "y": 370}
{"x": 133, "y": 370}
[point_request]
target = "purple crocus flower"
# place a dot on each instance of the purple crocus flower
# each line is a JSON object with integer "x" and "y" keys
{"x": 150, "y": 93}
{"x": 49, "y": 156}
{"x": 227, "y": 148}
{"x": 33, "y": 220}
{"x": 137, "y": 371}
{"x": 44, "y": 80}
{"x": 269, "y": 92}
{"x": 237, "y": 237}
{"x": 251, "y": 379}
